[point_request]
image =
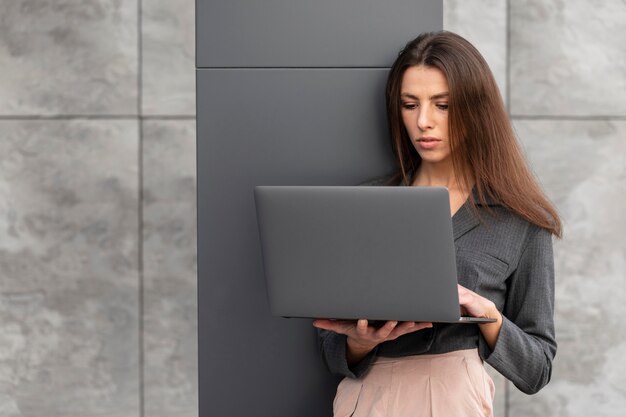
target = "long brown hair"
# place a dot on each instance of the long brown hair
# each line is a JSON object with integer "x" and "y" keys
{"x": 485, "y": 151}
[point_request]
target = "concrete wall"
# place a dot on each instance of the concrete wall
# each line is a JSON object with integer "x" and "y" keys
{"x": 97, "y": 208}
{"x": 97, "y": 203}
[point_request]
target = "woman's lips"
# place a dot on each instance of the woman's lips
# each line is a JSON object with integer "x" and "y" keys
{"x": 427, "y": 142}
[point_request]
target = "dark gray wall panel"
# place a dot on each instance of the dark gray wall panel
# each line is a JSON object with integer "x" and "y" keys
{"x": 273, "y": 127}
{"x": 319, "y": 33}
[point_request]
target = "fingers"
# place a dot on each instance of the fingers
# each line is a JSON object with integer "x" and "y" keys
{"x": 361, "y": 328}
{"x": 337, "y": 326}
{"x": 466, "y": 296}
{"x": 362, "y": 334}
{"x": 369, "y": 336}
{"x": 475, "y": 305}
{"x": 392, "y": 329}
{"x": 322, "y": 324}
{"x": 408, "y": 327}
{"x": 464, "y": 293}
{"x": 386, "y": 329}
{"x": 422, "y": 325}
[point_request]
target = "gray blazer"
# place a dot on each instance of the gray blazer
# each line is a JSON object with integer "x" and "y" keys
{"x": 507, "y": 260}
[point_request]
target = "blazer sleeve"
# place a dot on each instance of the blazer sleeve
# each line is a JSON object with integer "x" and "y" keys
{"x": 526, "y": 344}
{"x": 333, "y": 349}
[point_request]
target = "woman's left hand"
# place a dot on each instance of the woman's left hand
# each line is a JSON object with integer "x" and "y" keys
{"x": 475, "y": 305}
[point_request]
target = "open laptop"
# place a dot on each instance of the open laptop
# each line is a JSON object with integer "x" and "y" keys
{"x": 376, "y": 253}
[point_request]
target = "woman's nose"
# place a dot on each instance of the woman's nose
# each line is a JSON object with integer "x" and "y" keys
{"x": 424, "y": 120}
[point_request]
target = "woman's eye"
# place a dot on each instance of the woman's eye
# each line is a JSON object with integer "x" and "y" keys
{"x": 409, "y": 106}
{"x": 442, "y": 106}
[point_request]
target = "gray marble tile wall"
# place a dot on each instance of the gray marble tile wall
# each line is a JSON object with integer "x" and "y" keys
{"x": 168, "y": 58}
{"x": 567, "y": 58}
{"x": 68, "y": 57}
{"x": 97, "y": 209}
{"x": 169, "y": 236}
{"x": 169, "y": 209}
{"x": 69, "y": 323}
{"x": 97, "y": 198}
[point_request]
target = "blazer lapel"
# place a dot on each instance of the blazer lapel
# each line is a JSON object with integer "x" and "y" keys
{"x": 463, "y": 221}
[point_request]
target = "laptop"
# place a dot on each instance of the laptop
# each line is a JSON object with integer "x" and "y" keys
{"x": 358, "y": 252}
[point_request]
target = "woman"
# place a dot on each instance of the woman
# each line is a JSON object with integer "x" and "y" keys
{"x": 449, "y": 128}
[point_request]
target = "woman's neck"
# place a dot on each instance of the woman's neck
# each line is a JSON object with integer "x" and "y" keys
{"x": 436, "y": 175}
{"x": 441, "y": 176}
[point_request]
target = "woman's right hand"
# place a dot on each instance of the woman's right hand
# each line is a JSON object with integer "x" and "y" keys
{"x": 362, "y": 338}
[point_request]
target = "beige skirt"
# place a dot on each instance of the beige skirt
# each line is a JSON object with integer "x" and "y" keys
{"x": 450, "y": 384}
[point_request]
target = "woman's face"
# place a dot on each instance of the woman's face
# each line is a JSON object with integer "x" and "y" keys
{"x": 424, "y": 95}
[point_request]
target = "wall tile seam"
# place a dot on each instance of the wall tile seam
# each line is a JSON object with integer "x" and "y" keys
{"x": 140, "y": 256}
{"x": 140, "y": 203}
{"x": 584, "y": 118}
{"x": 172, "y": 117}
{"x": 105, "y": 117}
{"x": 292, "y": 68}
{"x": 194, "y": 117}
